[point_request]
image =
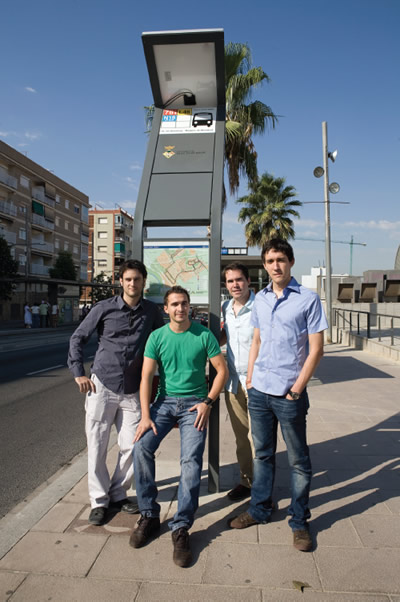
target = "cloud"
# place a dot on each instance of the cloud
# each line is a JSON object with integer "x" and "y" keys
{"x": 135, "y": 167}
{"x": 5, "y": 134}
{"x": 32, "y": 135}
{"x": 374, "y": 225}
{"x": 29, "y": 89}
{"x": 127, "y": 204}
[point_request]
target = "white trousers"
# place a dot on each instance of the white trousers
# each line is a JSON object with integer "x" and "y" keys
{"x": 103, "y": 409}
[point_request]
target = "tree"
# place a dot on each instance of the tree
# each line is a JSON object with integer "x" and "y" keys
{"x": 268, "y": 210}
{"x": 99, "y": 293}
{"x": 64, "y": 267}
{"x": 8, "y": 269}
{"x": 243, "y": 118}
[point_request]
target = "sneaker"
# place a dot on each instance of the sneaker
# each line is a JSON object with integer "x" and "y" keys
{"x": 143, "y": 530}
{"x": 97, "y": 516}
{"x": 302, "y": 540}
{"x": 240, "y": 492}
{"x": 242, "y": 521}
{"x": 182, "y": 554}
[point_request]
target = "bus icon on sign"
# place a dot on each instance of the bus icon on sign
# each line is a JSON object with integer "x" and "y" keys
{"x": 202, "y": 119}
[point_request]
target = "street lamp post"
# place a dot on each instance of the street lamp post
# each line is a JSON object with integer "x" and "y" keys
{"x": 328, "y": 278}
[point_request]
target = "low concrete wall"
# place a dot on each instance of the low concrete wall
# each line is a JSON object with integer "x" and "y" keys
{"x": 355, "y": 341}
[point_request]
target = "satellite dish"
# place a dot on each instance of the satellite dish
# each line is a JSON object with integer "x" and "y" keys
{"x": 318, "y": 172}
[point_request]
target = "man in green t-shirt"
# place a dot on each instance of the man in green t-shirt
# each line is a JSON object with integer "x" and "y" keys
{"x": 180, "y": 350}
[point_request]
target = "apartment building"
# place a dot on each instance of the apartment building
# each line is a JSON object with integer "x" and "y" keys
{"x": 110, "y": 241}
{"x": 40, "y": 215}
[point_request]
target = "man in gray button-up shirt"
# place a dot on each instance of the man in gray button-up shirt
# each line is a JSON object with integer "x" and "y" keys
{"x": 123, "y": 324}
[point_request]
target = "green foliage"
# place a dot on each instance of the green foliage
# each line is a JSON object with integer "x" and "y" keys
{"x": 100, "y": 293}
{"x": 64, "y": 268}
{"x": 268, "y": 210}
{"x": 8, "y": 269}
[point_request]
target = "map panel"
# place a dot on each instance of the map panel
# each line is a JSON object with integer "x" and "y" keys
{"x": 169, "y": 264}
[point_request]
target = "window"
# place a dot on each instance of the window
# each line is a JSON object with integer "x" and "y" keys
{"x": 66, "y": 203}
{"x": 22, "y": 233}
{"x": 24, "y": 181}
{"x": 76, "y": 228}
{"x": 102, "y": 220}
{"x": 75, "y": 249}
{"x": 102, "y": 262}
{"x": 76, "y": 209}
{"x": 57, "y": 220}
{"x": 22, "y": 209}
{"x": 66, "y": 225}
{"x": 22, "y": 260}
{"x": 58, "y": 200}
{"x": 102, "y": 235}
{"x": 102, "y": 249}
{"x": 66, "y": 246}
{"x": 57, "y": 243}
{"x": 85, "y": 214}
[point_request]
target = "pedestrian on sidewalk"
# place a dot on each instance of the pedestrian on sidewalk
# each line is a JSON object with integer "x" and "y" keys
{"x": 35, "y": 315}
{"x": 180, "y": 351}
{"x": 43, "y": 311}
{"x": 54, "y": 315}
{"x": 27, "y": 316}
{"x": 287, "y": 346}
{"x": 237, "y": 333}
{"x": 123, "y": 324}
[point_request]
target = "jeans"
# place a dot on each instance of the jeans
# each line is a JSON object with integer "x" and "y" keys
{"x": 265, "y": 413}
{"x": 165, "y": 413}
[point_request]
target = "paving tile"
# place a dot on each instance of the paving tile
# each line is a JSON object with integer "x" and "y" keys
{"x": 59, "y": 517}
{"x": 258, "y": 565}
{"x": 361, "y": 570}
{"x": 118, "y": 523}
{"x": 378, "y": 479}
{"x": 378, "y": 531}
{"x": 200, "y": 593}
{"x": 78, "y": 494}
{"x": 37, "y": 588}
{"x": 345, "y": 501}
{"x": 293, "y": 595}
{"x": 391, "y": 499}
{"x": 119, "y": 561}
{"x": 9, "y": 582}
{"x": 54, "y": 553}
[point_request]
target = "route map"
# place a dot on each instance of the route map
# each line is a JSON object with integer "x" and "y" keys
{"x": 183, "y": 264}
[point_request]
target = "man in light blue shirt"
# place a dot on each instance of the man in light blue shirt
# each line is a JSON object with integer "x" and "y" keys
{"x": 238, "y": 334}
{"x": 287, "y": 346}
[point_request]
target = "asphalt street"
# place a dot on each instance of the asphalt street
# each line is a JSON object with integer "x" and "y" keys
{"x": 41, "y": 412}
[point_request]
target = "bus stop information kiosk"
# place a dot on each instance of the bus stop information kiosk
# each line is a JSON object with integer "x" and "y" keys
{"x": 182, "y": 180}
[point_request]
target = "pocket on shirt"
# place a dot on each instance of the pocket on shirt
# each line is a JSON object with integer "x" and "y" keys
{"x": 95, "y": 403}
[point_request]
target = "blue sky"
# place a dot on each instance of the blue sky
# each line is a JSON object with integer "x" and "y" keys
{"x": 74, "y": 83}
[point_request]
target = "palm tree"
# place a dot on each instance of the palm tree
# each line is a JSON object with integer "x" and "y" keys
{"x": 243, "y": 118}
{"x": 268, "y": 210}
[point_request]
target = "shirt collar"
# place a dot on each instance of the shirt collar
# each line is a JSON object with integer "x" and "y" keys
{"x": 122, "y": 305}
{"x": 293, "y": 285}
{"x": 248, "y": 303}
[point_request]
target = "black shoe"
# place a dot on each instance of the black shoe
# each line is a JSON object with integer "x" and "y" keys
{"x": 97, "y": 516}
{"x": 144, "y": 529}
{"x": 240, "y": 492}
{"x": 125, "y": 505}
{"x": 182, "y": 554}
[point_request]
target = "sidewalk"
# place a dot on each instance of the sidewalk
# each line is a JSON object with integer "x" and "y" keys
{"x": 354, "y": 437}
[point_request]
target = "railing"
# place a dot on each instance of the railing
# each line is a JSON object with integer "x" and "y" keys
{"x": 10, "y": 237}
{"x": 8, "y": 208}
{"x": 39, "y": 194}
{"x": 8, "y": 180}
{"x": 39, "y": 220}
{"x": 41, "y": 270}
{"x": 43, "y": 246}
{"x": 371, "y": 325}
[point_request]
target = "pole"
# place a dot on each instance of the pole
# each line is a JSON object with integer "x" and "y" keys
{"x": 351, "y": 255}
{"x": 328, "y": 282}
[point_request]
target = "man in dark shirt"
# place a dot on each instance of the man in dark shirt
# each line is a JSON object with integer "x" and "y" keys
{"x": 123, "y": 324}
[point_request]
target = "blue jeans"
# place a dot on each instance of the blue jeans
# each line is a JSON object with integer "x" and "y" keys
{"x": 265, "y": 413}
{"x": 165, "y": 413}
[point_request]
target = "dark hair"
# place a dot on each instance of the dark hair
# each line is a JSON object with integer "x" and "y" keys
{"x": 277, "y": 244}
{"x": 236, "y": 265}
{"x": 178, "y": 290}
{"x": 133, "y": 264}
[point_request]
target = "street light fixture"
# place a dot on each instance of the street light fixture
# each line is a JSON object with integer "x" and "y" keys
{"x": 333, "y": 188}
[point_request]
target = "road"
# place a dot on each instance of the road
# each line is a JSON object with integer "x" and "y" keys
{"x": 41, "y": 411}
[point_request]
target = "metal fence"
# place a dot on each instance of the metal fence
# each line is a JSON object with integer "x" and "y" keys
{"x": 382, "y": 327}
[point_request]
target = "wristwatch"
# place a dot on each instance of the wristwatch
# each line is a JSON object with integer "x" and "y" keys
{"x": 293, "y": 395}
{"x": 209, "y": 401}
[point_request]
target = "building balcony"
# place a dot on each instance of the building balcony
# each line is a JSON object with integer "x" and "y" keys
{"x": 8, "y": 180}
{"x": 10, "y": 237}
{"x": 42, "y": 222}
{"x": 38, "y": 193}
{"x": 39, "y": 269}
{"x": 8, "y": 209}
{"x": 85, "y": 238}
{"x": 42, "y": 247}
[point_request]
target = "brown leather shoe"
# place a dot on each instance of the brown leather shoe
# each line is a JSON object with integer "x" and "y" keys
{"x": 143, "y": 530}
{"x": 182, "y": 554}
{"x": 302, "y": 540}
{"x": 240, "y": 492}
{"x": 242, "y": 521}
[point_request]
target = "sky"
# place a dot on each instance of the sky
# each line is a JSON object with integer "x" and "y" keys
{"x": 74, "y": 83}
